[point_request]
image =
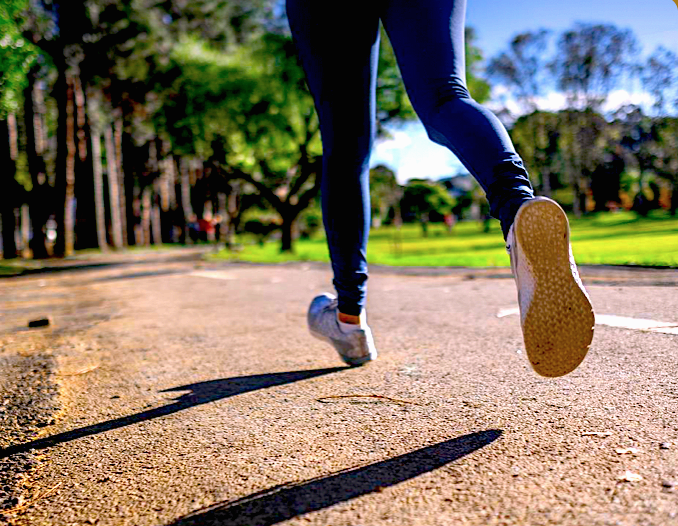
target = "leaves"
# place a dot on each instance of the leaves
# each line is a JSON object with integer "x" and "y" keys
{"x": 17, "y": 55}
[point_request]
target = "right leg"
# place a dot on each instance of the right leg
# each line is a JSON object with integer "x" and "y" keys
{"x": 338, "y": 46}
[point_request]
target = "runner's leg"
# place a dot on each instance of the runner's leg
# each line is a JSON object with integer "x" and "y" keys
{"x": 428, "y": 39}
{"x": 338, "y": 44}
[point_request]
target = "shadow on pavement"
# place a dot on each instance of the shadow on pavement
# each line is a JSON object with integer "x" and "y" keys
{"x": 59, "y": 266}
{"x": 200, "y": 393}
{"x": 285, "y": 502}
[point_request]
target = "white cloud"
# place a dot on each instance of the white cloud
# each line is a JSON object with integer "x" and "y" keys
{"x": 399, "y": 139}
{"x": 411, "y": 154}
{"x": 620, "y": 97}
{"x": 555, "y": 100}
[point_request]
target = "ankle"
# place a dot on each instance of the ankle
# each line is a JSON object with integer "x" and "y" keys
{"x": 348, "y": 318}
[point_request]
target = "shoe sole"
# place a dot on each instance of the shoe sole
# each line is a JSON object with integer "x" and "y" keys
{"x": 353, "y": 362}
{"x": 558, "y": 326}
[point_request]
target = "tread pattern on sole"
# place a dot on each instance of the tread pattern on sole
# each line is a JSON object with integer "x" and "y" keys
{"x": 558, "y": 325}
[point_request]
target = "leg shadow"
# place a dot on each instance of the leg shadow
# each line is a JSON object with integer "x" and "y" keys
{"x": 200, "y": 393}
{"x": 285, "y": 502}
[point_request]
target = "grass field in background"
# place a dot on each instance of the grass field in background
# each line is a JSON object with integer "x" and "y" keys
{"x": 608, "y": 238}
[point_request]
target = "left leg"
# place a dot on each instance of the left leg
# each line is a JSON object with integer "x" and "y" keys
{"x": 428, "y": 39}
{"x": 556, "y": 314}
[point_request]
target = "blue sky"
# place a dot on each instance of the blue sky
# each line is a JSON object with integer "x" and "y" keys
{"x": 654, "y": 22}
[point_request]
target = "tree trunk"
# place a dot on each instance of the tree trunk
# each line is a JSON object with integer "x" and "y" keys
{"x": 286, "y": 235}
{"x": 117, "y": 139}
{"x": 185, "y": 199}
{"x": 576, "y": 202}
{"x": 25, "y": 230}
{"x": 146, "y": 215}
{"x": 7, "y": 196}
{"x": 233, "y": 212}
{"x": 69, "y": 207}
{"x": 137, "y": 226}
{"x": 132, "y": 202}
{"x": 546, "y": 182}
{"x": 113, "y": 187}
{"x": 423, "y": 219}
{"x": 186, "y": 189}
{"x": 156, "y": 224}
{"x": 39, "y": 196}
{"x": 99, "y": 205}
{"x": 168, "y": 204}
{"x": 85, "y": 213}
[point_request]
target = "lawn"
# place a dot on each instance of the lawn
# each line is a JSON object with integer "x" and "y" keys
{"x": 609, "y": 239}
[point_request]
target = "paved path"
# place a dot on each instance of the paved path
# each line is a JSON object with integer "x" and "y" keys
{"x": 192, "y": 394}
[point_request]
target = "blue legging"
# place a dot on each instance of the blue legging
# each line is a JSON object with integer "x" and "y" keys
{"x": 338, "y": 43}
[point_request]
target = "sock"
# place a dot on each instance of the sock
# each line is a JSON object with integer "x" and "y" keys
{"x": 348, "y": 328}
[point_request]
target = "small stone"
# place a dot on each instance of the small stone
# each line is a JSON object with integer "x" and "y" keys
{"x": 626, "y": 451}
{"x": 668, "y": 484}
{"x": 664, "y": 445}
{"x": 39, "y": 322}
{"x": 629, "y": 476}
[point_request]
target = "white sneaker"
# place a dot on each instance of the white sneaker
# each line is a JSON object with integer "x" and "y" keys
{"x": 555, "y": 311}
{"x": 354, "y": 344}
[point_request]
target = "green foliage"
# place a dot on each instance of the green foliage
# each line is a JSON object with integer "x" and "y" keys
{"x": 590, "y": 59}
{"x": 661, "y": 80}
{"x": 310, "y": 222}
{"x": 17, "y": 55}
{"x": 422, "y": 198}
{"x": 384, "y": 193}
{"x": 392, "y": 100}
{"x": 574, "y": 149}
{"x": 478, "y": 87}
{"x": 522, "y": 67}
{"x": 251, "y": 101}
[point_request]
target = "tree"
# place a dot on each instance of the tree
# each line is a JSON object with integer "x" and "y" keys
{"x": 664, "y": 159}
{"x": 590, "y": 60}
{"x": 9, "y": 192}
{"x": 384, "y": 193}
{"x": 17, "y": 57}
{"x": 535, "y": 136}
{"x": 477, "y": 86}
{"x": 522, "y": 68}
{"x": 423, "y": 198}
{"x": 661, "y": 81}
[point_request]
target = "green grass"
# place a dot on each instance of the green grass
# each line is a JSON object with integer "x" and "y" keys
{"x": 610, "y": 239}
{"x": 16, "y": 267}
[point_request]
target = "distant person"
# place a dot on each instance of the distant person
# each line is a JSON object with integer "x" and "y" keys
{"x": 193, "y": 228}
{"x": 338, "y": 43}
{"x": 206, "y": 226}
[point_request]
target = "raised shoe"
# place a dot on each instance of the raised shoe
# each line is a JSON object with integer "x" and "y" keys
{"x": 556, "y": 314}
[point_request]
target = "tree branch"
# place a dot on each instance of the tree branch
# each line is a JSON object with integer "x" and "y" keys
{"x": 265, "y": 191}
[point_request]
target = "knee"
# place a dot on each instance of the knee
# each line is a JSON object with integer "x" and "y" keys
{"x": 442, "y": 93}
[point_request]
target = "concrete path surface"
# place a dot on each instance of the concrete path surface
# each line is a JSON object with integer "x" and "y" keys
{"x": 182, "y": 393}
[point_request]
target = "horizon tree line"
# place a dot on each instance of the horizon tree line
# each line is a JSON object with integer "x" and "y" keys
{"x": 124, "y": 122}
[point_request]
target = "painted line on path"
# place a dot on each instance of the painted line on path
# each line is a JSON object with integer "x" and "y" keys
{"x": 214, "y": 274}
{"x": 622, "y": 322}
